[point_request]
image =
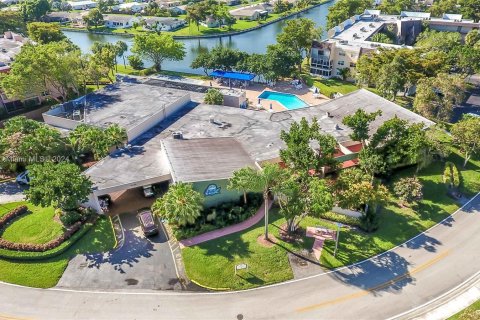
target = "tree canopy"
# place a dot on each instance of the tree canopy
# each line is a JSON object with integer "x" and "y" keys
{"x": 43, "y": 32}
{"x": 158, "y": 48}
{"x": 466, "y": 134}
{"x": 61, "y": 185}
{"x": 344, "y": 9}
{"x": 359, "y": 122}
{"x": 33, "y": 10}
{"x": 213, "y": 96}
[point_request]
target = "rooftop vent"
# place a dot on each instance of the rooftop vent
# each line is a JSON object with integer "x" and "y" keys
{"x": 177, "y": 135}
{"x": 337, "y": 127}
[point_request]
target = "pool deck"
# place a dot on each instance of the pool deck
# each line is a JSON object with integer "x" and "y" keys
{"x": 255, "y": 89}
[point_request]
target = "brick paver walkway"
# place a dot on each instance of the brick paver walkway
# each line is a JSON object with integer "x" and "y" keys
{"x": 207, "y": 236}
{"x": 320, "y": 235}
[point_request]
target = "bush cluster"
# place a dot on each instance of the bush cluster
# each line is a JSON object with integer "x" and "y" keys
{"x": 18, "y": 211}
{"x": 36, "y": 247}
{"x": 332, "y": 216}
{"x": 81, "y": 214}
{"x": 220, "y": 216}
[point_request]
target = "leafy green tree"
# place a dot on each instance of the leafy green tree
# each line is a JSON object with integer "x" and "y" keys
{"x": 121, "y": 47}
{"x": 344, "y": 73}
{"x": 135, "y": 62}
{"x": 372, "y": 162}
{"x": 33, "y": 10}
{"x": 465, "y": 59}
{"x": 158, "y": 48}
{"x": 408, "y": 189}
{"x": 440, "y": 7}
{"x": 105, "y": 54}
{"x": 391, "y": 78}
{"x": 196, "y": 13}
{"x": 265, "y": 181}
{"x": 54, "y": 67}
{"x": 436, "y": 97}
{"x": 281, "y": 62}
{"x": 433, "y": 40}
{"x": 116, "y": 135}
{"x": 213, "y": 96}
{"x": 102, "y": 6}
{"x": 396, "y": 6}
{"x": 94, "y": 18}
{"x": 224, "y": 58}
{"x": 398, "y": 143}
{"x": 344, "y": 9}
{"x": 24, "y": 141}
{"x": 292, "y": 203}
{"x": 86, "y": 138}
{"x": 472, "y": 38}
{"x": 11, "y": 21}
{"x": 43, "y": 32}
{"x": 298, "y": 34}
{"x": 300, "y": 156}
{"x": 466, "y": 135}
{"x": 203, "y": 60}
{"x": 61, "y": 185}
{"x": 359, "y": 122}
{"x": 470, "y": 9}
{"x": 181, "y": 205}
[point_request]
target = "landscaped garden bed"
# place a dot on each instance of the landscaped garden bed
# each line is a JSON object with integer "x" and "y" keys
{"x": 212, "y": 263}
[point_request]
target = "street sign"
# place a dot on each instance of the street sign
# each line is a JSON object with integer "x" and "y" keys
{"x": 242, "y": 266}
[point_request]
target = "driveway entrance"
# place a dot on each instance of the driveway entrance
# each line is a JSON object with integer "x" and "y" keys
{"x": 140, "y": 263}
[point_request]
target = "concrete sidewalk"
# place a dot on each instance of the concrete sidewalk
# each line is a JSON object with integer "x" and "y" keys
{"x": 207, "y": 236}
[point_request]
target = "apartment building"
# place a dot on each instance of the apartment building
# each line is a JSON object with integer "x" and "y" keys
{"x": 354, "y": 37}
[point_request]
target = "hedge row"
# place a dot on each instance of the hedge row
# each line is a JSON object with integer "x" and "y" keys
{"x": 35, "y": 256}
{"x": 337, "y": 217}
{"x": 18, "y": 211}
{"x": 41, "y": 247}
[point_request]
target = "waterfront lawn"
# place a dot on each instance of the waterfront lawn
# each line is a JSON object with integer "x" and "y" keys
{"x": 192, "y": 29}
{"x": 462, "y": 315}
{"x": 46, "y": 273}
{"x": 37, "y": 226}
{"x": 328, "y": 86}
{"x": 212, "y": 263}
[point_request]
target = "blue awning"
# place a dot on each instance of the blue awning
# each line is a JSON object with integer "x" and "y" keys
{"x": 233, "y": 75}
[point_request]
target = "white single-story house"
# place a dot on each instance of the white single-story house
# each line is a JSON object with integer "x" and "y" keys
{"x": 130, "y": 7}
{"x": 82, "y": 5}
{"x": 179, "y": 9}
{"x": 119, "y": 21}
{"x": 163, "y": 23}
{"x": 252, "y": 12}
{"x": 211, "y": 22}
{"x": 9, "y": 2}
{"x": 230, "y": 2}
{"x": 168, "y": 4}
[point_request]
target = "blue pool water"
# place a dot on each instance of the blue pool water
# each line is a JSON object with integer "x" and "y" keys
{"x": 289, "y": 101}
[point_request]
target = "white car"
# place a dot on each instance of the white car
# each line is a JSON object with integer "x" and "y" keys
{"x": 23, "y": 178}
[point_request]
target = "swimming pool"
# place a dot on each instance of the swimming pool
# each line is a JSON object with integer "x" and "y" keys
{"x": 287, "y": 100}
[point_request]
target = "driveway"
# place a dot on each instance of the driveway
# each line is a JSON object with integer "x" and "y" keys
{"x": 141, "y": 263}
{"x": 11, "y": 192}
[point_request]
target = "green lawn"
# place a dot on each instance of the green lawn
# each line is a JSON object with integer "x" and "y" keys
{"x": 46, "y": 273}
{"x": 7, "y": 207}
{"x": 328, "y": 86}
{"x": 212, "y": 263}
{"x": 474, "y": 310}
{"x": 37, "y": 226}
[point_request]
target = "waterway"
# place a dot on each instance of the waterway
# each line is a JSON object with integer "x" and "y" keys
{"x": 252, "y": 42}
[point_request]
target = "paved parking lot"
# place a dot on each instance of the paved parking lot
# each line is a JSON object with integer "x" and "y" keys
{"x": 11, "y": 192}
{"x": 140, "y": 263}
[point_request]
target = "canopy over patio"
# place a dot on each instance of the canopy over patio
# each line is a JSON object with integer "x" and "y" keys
{"x": 231, "y": 75}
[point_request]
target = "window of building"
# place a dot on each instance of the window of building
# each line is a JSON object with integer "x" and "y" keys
{"x": 341, "y": 63}
{"x": 341, "y": 53}
{"x": 352, "y": 65}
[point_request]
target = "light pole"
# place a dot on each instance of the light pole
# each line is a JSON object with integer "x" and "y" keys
{"x": 339, "y": 225}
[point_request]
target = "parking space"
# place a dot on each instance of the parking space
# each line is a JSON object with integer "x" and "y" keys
{"x": 141, "y": 263}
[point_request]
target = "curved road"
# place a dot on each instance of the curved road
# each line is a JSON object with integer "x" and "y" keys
{"x": 387, "y": 285}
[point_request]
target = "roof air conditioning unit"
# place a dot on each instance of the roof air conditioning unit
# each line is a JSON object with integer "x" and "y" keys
{"x": 178, "y": 135}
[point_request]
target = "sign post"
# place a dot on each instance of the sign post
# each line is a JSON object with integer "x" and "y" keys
{"x": 339, "y": 225}
{"x": 242, "y": 266}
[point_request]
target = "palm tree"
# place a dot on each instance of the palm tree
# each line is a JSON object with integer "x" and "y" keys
{"x": 241, "y": 180}
{"x": 121, "y": 47}
{"x": 181, "y": 205}
{"x": 116, "y": 135}
{"x": 262, "y": 181}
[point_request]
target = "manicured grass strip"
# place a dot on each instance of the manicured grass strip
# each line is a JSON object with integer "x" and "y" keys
{"x": 474, "y": 308}
{"x": 46, "y": 273}
{"x": 37, "y": 226}
{"x": 7, "y": 207}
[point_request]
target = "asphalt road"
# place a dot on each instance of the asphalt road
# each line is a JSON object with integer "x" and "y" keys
{"x": 11, "y": 192}
{"x": 408, "y": 276}
{"x": 141, "y": 263}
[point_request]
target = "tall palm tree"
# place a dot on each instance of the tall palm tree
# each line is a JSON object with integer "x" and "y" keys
{"x": 263, "y": 181}
{"x": 241, "y": 180}
{"x": 181, "y": 205}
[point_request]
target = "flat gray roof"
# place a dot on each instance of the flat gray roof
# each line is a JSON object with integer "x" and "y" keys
{"x": 138, "y": 166}
{"x": 205, "y": 159}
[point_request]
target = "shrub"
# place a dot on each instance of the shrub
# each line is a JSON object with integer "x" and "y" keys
{"x": 70, "y": 217}
{"x": 408, "y": 189}
{"x": 332, "y": 216}
{"x": 451, "y": 176}
{"x": 35, "y": 247}
{"x": 213, "y": 96}
{"x": 18, "y": 211}
{"x": 369, "y": 220}
{"x": 135, "y": 62}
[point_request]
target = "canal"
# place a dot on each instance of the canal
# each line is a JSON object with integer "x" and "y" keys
{"x": 252, "y": 42}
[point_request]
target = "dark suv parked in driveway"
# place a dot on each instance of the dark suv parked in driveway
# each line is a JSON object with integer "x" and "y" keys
{"x": 147, "y": 222}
